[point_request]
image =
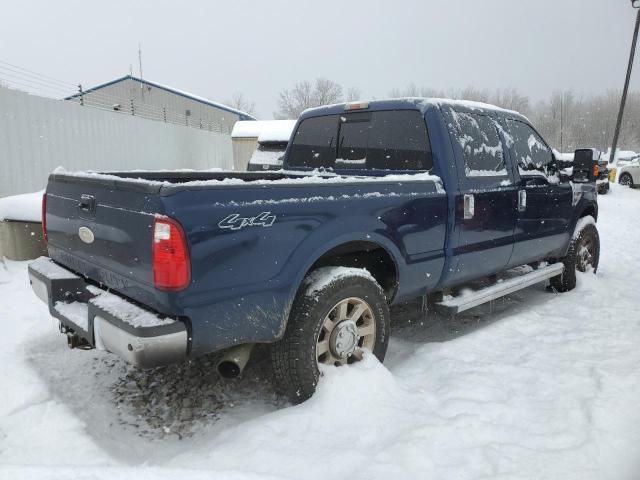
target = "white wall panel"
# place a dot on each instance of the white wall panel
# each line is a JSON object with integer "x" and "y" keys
{"x": 39, "y": 134}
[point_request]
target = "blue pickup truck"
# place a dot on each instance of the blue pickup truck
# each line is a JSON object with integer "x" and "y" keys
{"x": 378, "y": 203}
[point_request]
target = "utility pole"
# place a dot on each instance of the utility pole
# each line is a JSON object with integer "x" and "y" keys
{"x": 140, "y": 64}
{"x": 561, "y": 121}
{"x": 623, "y": 100}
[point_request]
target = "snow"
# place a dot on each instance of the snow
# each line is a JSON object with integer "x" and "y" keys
{"x": 126, "y": 311}
{"x": 621, "y": 155}
{"x": 582, "y": 222}
{"x": 77, "y": 312}
{"x": 264, "y": 130}
{"x": 50, "y": 269}
{"x": 24, "y": 208}
{"x": 300, "y": 178}
{"x": 423, "y": 102}
{"x": 322, "y": 277}
{"x": 486, "y": 173}
{"x": 546, "y": 386}
{"x": 358, "y": 162}
{"x": 266, "y": 157}
{"x": 565, "y": 157}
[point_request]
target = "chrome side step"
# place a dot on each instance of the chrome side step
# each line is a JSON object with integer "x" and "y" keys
{"x": 464, "y": 302}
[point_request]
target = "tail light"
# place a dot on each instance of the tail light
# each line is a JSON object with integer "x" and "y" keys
{"x": 171, "y": 263}
{"x": 44, "y": 216}
{"x": 356, "y": 106}
{"x": 596, "y": 171}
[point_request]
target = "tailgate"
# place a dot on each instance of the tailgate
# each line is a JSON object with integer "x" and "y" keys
{"x": 102, "y": 229}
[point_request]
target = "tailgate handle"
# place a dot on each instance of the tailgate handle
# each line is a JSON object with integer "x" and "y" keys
{"x": 87, "y": 203}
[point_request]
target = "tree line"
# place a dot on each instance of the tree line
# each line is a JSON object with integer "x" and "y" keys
{"x": 565, "y": 119}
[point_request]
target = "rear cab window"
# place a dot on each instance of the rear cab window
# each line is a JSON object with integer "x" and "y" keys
{"x": 482, "y": 150}
{"x": 395, "y": 140}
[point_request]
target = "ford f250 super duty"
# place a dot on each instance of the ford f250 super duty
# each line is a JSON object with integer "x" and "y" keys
{"x": 378, "y": 203}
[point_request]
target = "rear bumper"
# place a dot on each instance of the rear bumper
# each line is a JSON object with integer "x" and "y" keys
{"x": 107, "y": 321}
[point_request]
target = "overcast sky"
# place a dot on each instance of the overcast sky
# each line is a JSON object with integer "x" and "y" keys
{"x": 214, "y": 49}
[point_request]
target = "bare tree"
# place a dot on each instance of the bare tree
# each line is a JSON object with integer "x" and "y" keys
{"x": 353, "y": 93}
{"x": 414, "y": 91}
{"x": 303, "y": 95}
{"x": 511, "y": 99}
{"x": 472, "y": 93}
{"x": 326, "y": 92}
{"x": 240, "y": 102}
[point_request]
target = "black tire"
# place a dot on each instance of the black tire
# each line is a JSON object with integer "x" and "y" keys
{"x": 294, "y": 358}
{"x": 575, "y": 261}
{"x": 626, "y": 179}
{"x": 604, "y": 189}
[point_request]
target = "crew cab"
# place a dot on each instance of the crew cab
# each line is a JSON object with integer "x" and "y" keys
{"x": 378, "y": 203}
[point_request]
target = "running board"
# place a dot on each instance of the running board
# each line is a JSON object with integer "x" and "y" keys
{"x": 464, "y": 302}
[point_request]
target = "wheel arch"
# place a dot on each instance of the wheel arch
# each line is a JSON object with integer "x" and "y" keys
{"x": 372, "y": 251}
{"x": 591, "y": 209}
{"x": 366, "y": 254}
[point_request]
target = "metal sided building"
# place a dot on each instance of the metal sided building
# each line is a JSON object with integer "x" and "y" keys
{"x": 135, "y": 96}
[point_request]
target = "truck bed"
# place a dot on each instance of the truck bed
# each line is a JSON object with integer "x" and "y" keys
{"x": 251, "y": 236}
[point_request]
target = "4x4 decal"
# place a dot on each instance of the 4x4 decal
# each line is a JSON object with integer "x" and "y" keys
{"x": 236, "y": 222}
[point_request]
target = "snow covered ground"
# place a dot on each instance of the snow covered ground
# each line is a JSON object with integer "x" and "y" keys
{"x": 545, "y": 387}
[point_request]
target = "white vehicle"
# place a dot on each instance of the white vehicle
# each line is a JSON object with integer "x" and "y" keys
{"x": 629, "y": 173}
{"x": 268, "y": 155}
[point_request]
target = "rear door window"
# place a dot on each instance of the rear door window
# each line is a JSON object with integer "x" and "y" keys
{"x": 531, "y": 152}
{"x": 481, "y": 146}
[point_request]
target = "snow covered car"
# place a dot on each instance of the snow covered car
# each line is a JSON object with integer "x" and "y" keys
{"x": 629, "y": 173}
{"x": 268, "y": 155}
{"x": 272, "y": 143}
{"x": 379, "y": 203}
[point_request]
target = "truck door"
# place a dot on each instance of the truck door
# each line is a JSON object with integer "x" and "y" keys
{"x": 545, "y": 203}
{"x": 486, "y": 203}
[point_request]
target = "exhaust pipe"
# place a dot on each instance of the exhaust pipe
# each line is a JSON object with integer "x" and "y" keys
{"x": 233, "y": 361}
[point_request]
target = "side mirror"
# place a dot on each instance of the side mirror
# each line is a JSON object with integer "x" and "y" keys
{"x": 585, "y": 165}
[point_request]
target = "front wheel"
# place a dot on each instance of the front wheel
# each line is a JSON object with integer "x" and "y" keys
{"x": 338, "y": 314}
{"x": 583, "y": 255}
{"x": 626, "y": 180}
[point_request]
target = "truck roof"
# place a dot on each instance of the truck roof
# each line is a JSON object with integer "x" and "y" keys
{"x": 409, "y": 103}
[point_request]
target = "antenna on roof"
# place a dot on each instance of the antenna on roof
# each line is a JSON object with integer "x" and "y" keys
{"x": 140, "y": 64}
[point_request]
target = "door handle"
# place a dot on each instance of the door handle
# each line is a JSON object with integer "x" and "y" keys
{"x": 87, "y": 203}
{"x": 469, "y": 206}
{"x": 522, "y": 200}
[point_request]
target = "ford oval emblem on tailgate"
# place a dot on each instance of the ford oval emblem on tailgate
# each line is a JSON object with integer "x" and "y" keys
{"x": 86, "y": 235}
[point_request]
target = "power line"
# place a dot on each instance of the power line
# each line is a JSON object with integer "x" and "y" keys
{"x": 51, "y": 79}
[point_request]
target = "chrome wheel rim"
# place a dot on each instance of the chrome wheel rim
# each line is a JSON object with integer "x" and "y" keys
{"x": 347, "y": 330}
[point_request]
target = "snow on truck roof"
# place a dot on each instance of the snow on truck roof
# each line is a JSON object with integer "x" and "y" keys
{"x": 264, "y": 130}
{"x": 411, "y": 102}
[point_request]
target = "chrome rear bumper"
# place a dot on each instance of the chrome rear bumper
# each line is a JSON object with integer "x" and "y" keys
{"x": 107, "y": 321}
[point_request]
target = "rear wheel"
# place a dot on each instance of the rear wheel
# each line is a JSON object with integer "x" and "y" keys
{"x": 626, "y": 180}
{"x": 336, "y": 317}
{"x": 583, "y": 255}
